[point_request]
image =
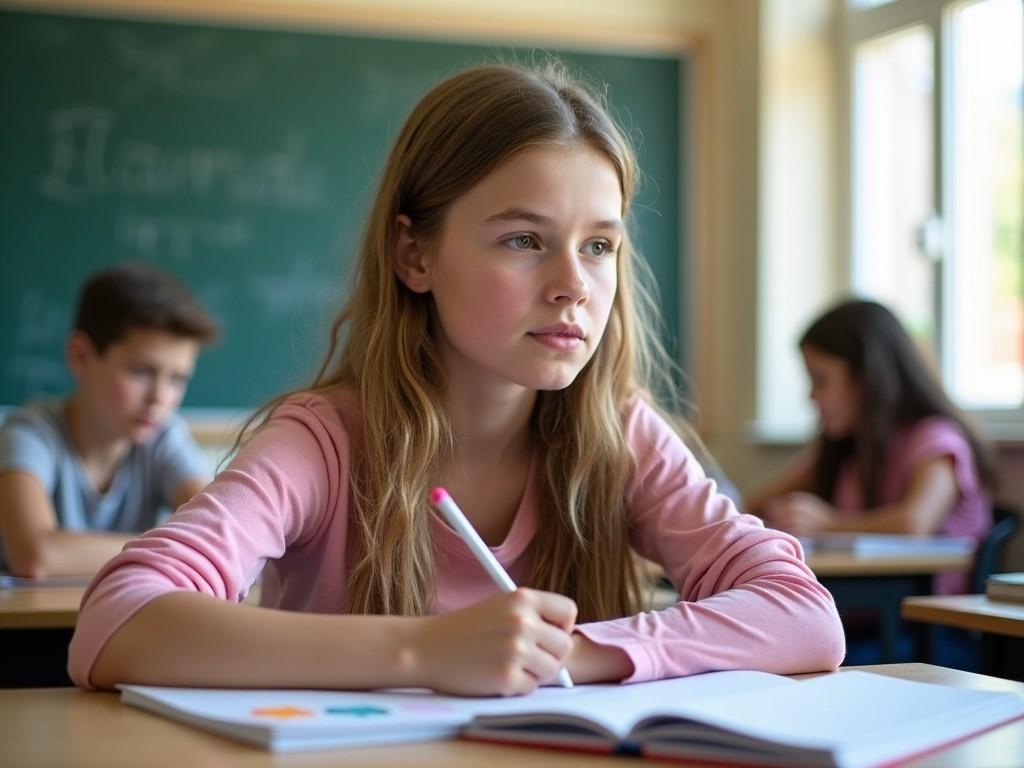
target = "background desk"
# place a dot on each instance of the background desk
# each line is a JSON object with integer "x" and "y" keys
{"x": 1000, "y": 622}
{"x": 40, "y": 607}
{"x": 880, "y": 584}
{"x": 36, "y": 625}
{"x": 853, "y": 565}
{"x": 71, "y": 727}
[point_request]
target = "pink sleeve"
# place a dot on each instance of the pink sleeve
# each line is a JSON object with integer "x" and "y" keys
{"x": 748, "y": 599}
{"x": 274, "y": 493}
{"x": 937, "y": 437}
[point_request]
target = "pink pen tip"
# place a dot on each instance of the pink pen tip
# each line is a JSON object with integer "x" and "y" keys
{"x": 438, "y": 495}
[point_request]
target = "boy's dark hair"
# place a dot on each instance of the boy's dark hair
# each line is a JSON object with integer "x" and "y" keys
{"x": 134, "y": 295}
{"x": 897, "y": 390}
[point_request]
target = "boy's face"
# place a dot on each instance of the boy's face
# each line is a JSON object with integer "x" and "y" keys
{"x": 136, "y": 383}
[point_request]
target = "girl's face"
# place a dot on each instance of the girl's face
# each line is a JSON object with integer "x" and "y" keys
{"x": 524, "y": 270}
{"x": 834, "y": 391}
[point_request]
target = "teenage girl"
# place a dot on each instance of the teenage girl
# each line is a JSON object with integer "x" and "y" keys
{"x": 491, "y": 345}
{"x": 894, "y": 454}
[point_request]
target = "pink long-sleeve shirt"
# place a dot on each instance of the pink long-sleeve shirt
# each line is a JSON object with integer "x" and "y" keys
{"x": 281, "y": 509}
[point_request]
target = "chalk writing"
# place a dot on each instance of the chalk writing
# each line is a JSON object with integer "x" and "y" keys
{"x": 86, "y": 161}
{"x": 177, "y": 235}
{"x": 187, "y": 65}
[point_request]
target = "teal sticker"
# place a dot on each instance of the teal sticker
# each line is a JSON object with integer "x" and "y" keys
{"x": 363, "y": 711}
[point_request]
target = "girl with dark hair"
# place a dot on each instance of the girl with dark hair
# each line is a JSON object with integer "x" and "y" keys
{"x": 894, "y": 455}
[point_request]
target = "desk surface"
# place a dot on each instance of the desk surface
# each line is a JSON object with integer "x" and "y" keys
{"x": 39, "y": 607}
{"x": 53, "y": 607}
{"x": 831, "y": 564}
{"x": 65, "y": 726}
{"x": 968, "y": 612}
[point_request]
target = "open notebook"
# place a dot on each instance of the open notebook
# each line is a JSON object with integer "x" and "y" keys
{"x": 848, "y": 719}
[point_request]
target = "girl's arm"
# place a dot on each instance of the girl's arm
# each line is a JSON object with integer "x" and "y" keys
{"x": 931, "y": 496}
{"x": 796, "y": 477}
{"x": 505, "y": 645}
{"x": 748, "y": 599}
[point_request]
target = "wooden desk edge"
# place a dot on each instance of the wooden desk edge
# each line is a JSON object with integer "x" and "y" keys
{"x": 974, "y": 612}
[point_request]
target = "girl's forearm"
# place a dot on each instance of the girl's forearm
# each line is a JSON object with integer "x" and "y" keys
{"x": 190, "y": 639}
{"x": 891, "y": 518}
{"x": 592, "y": 662}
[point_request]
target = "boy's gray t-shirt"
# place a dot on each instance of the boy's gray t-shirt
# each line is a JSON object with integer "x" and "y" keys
{"x": 36, "y": 439}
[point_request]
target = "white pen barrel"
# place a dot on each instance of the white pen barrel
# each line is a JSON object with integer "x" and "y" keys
{"x": 457, "y": 520}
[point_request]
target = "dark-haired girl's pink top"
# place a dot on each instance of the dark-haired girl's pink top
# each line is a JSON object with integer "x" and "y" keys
{"x": 281, "y": 509}
{"x": 910, "y": 449}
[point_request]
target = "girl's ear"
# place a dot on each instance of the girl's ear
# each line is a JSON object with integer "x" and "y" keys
{"x": 410, "y": 258}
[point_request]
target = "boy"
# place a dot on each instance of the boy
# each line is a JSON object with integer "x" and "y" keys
{"x": 80, "y": 475}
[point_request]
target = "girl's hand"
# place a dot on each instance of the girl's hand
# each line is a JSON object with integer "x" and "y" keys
{"x": 801, "y": 514}
{"x": 505, "y": 646}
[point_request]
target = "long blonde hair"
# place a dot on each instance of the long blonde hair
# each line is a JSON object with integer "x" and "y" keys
{"x": 383, "y": 349}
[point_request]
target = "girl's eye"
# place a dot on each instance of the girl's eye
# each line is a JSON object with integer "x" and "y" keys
{"x": 522, "y": 242}
{"x": 599, "y": 248}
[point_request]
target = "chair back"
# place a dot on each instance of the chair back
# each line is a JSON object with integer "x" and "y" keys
{"x": 988, "y": 558}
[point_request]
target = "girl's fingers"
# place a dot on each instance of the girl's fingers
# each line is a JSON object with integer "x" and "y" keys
{"x": 554, "y": 641}
{"x": 542, "y": 666}
{"x": 553, "y": 608}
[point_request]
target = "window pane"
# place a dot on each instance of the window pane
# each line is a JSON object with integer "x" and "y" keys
{"x": 893, "y": 192}
{"x": 986, "y": 365}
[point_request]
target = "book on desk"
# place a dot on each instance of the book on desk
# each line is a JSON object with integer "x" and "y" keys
{"x": 888, "y": 544}
{"x": 851, "y": 719}
{"x": 1005, "y": 586}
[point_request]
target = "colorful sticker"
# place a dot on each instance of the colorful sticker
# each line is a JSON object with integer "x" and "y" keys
{"x": 360, "y": 711}
{"x": 282, "y": 713}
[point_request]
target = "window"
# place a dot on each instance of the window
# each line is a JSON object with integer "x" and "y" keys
{"x": 937, "y": 198}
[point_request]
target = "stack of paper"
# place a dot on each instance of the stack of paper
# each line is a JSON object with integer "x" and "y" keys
{"x": 1005, "y": 586}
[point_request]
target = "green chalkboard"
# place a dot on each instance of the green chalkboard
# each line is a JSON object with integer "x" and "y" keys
{"x": 241, "y": 160}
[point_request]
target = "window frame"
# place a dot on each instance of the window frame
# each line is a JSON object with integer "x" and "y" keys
{"x": 861, "y": 24}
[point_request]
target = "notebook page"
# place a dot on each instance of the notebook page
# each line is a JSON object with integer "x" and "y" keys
{"x": 862, "y": 718}
{"x": 616, "y": 708}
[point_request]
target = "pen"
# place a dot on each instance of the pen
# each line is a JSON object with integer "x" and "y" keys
{"x": 441, "y": 499}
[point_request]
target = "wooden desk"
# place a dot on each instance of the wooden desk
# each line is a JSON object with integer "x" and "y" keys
{"x": 38, "y": 607}
{"x": 53, "y": 607}
{"x": 70, "y": 727}
{"x": 851, "y": 565}
{"x": 1000, "y": 622}
{"x": 968, "y": 612}
{"x": 880, "y": 584}
{"x": 36, "y": 624}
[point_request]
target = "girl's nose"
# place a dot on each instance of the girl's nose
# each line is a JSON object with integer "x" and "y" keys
{"x": 568, "y": 283}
